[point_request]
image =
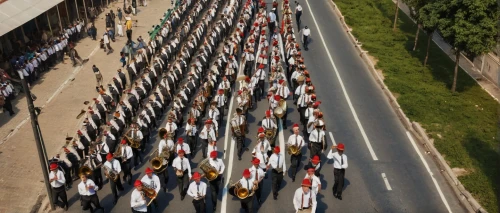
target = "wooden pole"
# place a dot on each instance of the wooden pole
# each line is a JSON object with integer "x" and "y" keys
{"x": 48, "y": 21}
{"x": 86, "y": 16}
{"x": 59, "y": 15}
{"x": 76, "y": 6}
{"x": 67, "y": 11}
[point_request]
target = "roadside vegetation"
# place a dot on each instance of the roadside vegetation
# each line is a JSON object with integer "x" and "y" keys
{"x": 463, "y": 124}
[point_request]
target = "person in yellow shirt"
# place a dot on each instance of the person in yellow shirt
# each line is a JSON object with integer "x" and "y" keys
{"x": 128, "y": 27}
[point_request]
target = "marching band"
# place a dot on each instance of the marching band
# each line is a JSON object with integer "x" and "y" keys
{"x": 257, "y": 33}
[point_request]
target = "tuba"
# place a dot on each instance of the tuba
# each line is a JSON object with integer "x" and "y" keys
{"x": 157, "y": 162}
{"x": 85, "y": 170}
{"x": 241, "y": 192}
{"x": 110, "y": 174}
{"x": 149, "y": 192}
{"x": 280, "y": 110}
{"x": 211, "y": 173}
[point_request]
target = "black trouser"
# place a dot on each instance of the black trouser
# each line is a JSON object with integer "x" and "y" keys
{"x": 192, "y": 143}
{"x": 305, "y": 39}
{"x": 126, "y": 171}
{"x": 240, "y": 143}
{"x": 247, "y": 204}
{"x": 204, "y": 145}
{"x": 295, "y": 162}
{"x": 165, "y": 178}
{"x": 248, "y": 68}
{"x": 8, "y": 106}
{"x": 221, "y": 115}
{"x": 277, "y": 179}
{"x": 57, "y": 193}
{"x": 316, "y": 148}
{"x": 114, "y": 186}
{"x": 183, "y": 181}
{"x": 199, "y": 205}
{"x": 90, "y": 199}
{"x": 339, "y": 181}
{"x": 258, "y": 191}
{"x": 129, "y": 35}
{"x": 214, "y": 188}
{"x": 297, "y": 17}
{"x": 97, "y": 177}
{"x": 135, "y": 211}
{"x": 261, "y": 88}
{"x": 137, "y": 156}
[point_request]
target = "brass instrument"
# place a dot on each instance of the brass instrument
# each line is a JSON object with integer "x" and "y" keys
{"x": 118, "y": 153}
{"x": 211, "y": 173}
{"x": 236, "y": 128}
{"x": 111, "y": 174}
{"x": 133, "y": 142}
{"x": 241, "y": 192}
{"x": 149, "y": 192}
{"x": 293, "y": 150}
{"x": 280, "y": 110}
{"x": 81, "y": 114}
{"x": 85, "y": 170}
{"x": 157, "y": 162}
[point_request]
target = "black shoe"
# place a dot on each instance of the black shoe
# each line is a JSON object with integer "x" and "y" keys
{"x": 66, "y": 207}
{"x": 246, "y": 149}
{"x": 130, "y": 181}
{"x": 215, "y": 208}
{"x": 165, "y": 189}
{"x": 182, "y": 197}
{"x": 275, "y": 197}
{"x": 339, "y": 197}
{"x": 293, "y": 179}
{"x": 114, "y": 202}
{"x": 259, "y": 201}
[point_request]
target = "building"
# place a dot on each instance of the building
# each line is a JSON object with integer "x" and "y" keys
{"x": 489, "y": 66}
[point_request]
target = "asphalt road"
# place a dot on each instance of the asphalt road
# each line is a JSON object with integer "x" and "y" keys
{"x": 413, "y": 188}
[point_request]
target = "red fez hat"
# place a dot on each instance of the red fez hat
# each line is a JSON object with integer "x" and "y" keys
{"x": 261, "y": 66}
{"x": 277, "y": 149}
{"x": 308, "y": 79}
{"x": 246, "y": 173}
{"x": 239, "y": 92}
{"x": 261, "y": 129}
{"x": 255, "y": 161}
{"x": 124, "y": 141}
{"x": 221, "y": 91}
{"x": 196, "y": 176}
{"x": 109, "y": 156}
{"x": 137, "y": 183}
{"x": 149, "y": 170}
{"x": 180, "y": 152}
{"x": 315, "y": 159}
{"x": 277, "y": 97}
{"x": 340, "y": 146}
{"x": 306, "y": 182}
{"x": 268, "y": 113}
{"x": 316, "y": 104}
{"x": 213, "y": 154}
{"x": 281, "y": 81}
{"x": 53, "y": 166}
{"x": 180, "y": 140}
{"x": 208, "y": 122}
{"x": 247, "y": 79}
{"x": 295, "y": 126}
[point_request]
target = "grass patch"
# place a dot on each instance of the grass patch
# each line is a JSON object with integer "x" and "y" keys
{"x": 466, "y": 121}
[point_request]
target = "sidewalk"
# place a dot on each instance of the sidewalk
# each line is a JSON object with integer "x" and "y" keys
{"x": 464, "y": 63}
{"x": 61, "y": 92}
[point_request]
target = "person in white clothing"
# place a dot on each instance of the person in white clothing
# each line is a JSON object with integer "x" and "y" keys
{"x": 183, "y": 171}
{"x": 138, "y": 201}
{"x": 276, "y": 161}
{"x": 339, "y": 166}
{"x": 295, "y": 140}
{"x": 87, "y": 190}
{"x": 57, "y": 181}
{"x": 214, "y": 184}
{"x": 315, "y": 181}
{"x": 306, "y": 33}
{"x": 183, "y": 146}
{"x": 257, "y": 174}
{"x": 197, "y": 190}
{"x": 298, "y": 13}
{"x": 113, "y": 166}
{"x": 304, "y": 199}
{"x": 126, "y": 157}
{"x": 263, "y": 146}
{"x": 212, "y": 146}
{"x": 171, "y": 127}
{"x": 152, "y": 181}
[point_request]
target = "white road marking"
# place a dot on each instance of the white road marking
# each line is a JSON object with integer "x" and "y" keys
{"x": 228, "y": 174}
{"x": 361, "y": 129}
{"x": 333, "y": 140}
{"x": 443, "y": 198}
{"x": 228, "y": 125}
{"x": 73, "y": 74}
{"x": 386, "y": 182}
{"x": 281, "y": 137}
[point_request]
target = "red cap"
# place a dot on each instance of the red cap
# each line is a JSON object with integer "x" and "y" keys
{"x": 109, "y": 156}
{"x": 315, "y": 159}
{"x": 213, "y": 154}
{"x": 180, "y": 140}
{"x": 239, "y": 92}
{"x": 246, "y": 173}
{"x": 221, "y": 91}
{"x": 313, "y": 96}
{"x": 247, "y": 79}
{"x": 340, "y": 146}
{"x": 79, "y": 132}
{"x": 261, "y": 129}
{"x": 149, "y": 170}
{"x": 196, "y": 176}
{"x": 256, "y": 24}
{"x": 66, "y": 149}
{"x": 311, "y": 170}
{"x": 124, "y": 141}
{"x": 308, "y": 79}
{"x": 277, "y": 149}
{"x": 281, "y": 81}
{"x": 295, "y": 126}
{"x": 261, "y": 135}
{"x": 53, "y": 166}
{"x": 208, "y": 122}
{"x": 137, "y": 183}
{"x": 277, "y": 58}
{"x": 277, "y": 97}
{"x": 306, "y": 182}
{"x": 180, "y": 152}
{"x": 255, "y": 161}
{"x": 268, "y": 113}
{"x": 261, "y": 66}
{"x": 316, "y": 104}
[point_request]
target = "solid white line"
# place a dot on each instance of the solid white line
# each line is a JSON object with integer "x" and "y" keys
{"x": 443, "y": 198}
{"x": 228, "y": 124}
{"x": 281, "y": 137}
{"x": 386, "y": 182}
{"x": 333, "y": 140}
{"x": 228, "y": 174}
{"x": 368, "y": 144}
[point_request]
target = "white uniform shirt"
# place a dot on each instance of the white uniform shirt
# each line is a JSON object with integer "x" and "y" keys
{"x": 306, "y": 32}
{"x": 214, "y": 114}
{"x": 296, "y": 140}
{"x": 262, "y": 146}
{"x": 316, "y": 136}
{"x": 268, "y": 123}
{"x": 171, "y": 127}
{"x": 259, "y": 175}
{"x": 83, "y": 190}
{"x": 196, "y": 190}
{"x": 114, "y": 165}
{"x": 211, "y": 148}
{"x": 137, "y": 202}
{"x": 153, "y": 182}
{"x": 304, "y": 200}
{"x": 276, "y": 161}
{"x": 315, "y": 181}
{"x": 218, "y": 164}
{"x": 182, "y": 164}
{"x": 193, "y": 129}
{"x": 183, "y": 146}
{"x": 60, "y": 178}
{"x": 247, "y": 183}
{"x": 298, "y": 8}
{"x": 338, "y": 161}
{"x": 127, "y": 152}
{"x": 207, "y": 132}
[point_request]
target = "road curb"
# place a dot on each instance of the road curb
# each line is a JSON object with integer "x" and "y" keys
{"x": 414, "y": 128}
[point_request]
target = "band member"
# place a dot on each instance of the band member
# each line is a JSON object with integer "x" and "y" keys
{"x": 261, "y": 151}
{"x": 238, "y": 128}
{"x": 167, "y": 143}
{"x": 206, "y": 132}
{"x": 171, "y": 127}
{"x": 276, "y": 163}
{"x": 304, "y": 198}
{"x": 315, "y": 181}
{"x": 138, "y": 201}
{"x": 87, "y": 190}
{"x": 214, "y": 184}
{"x": 183, "y": 171}
{"x": 261, "y": 76}
{"x": 94, "y": 162}
{"x": 221, "y": 102}
{"x": 269, "y": 124}
{"x": 113, "y": 166}
{"x": 258, "y": 175}
{"x": 247, "y": 182}
{"x": 182, "y": 146}
{"x": 317, "y": 142}
{"x": 153, "y": 181}
{"x": 126, "y": 157}
{"x": 295, "y": 140}
{"x": 214, "y": 113}
{"x": 57, "y": 181}
{"x": 136, "y": 135}
{"x": 339, "y": 166}
{"x": 212, "y": 146}
{"x": 315, "y": 163}
{"x": 197, "y": 190}
{"x": 191, "y": 131}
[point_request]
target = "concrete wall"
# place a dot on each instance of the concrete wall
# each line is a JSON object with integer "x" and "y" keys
{"x": 489, "y": 66}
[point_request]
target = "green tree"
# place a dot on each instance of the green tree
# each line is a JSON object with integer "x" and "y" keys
{"x": 415, "y": 6}
{"x": 429, "y": 18}
{"x": 469, "y": 26}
